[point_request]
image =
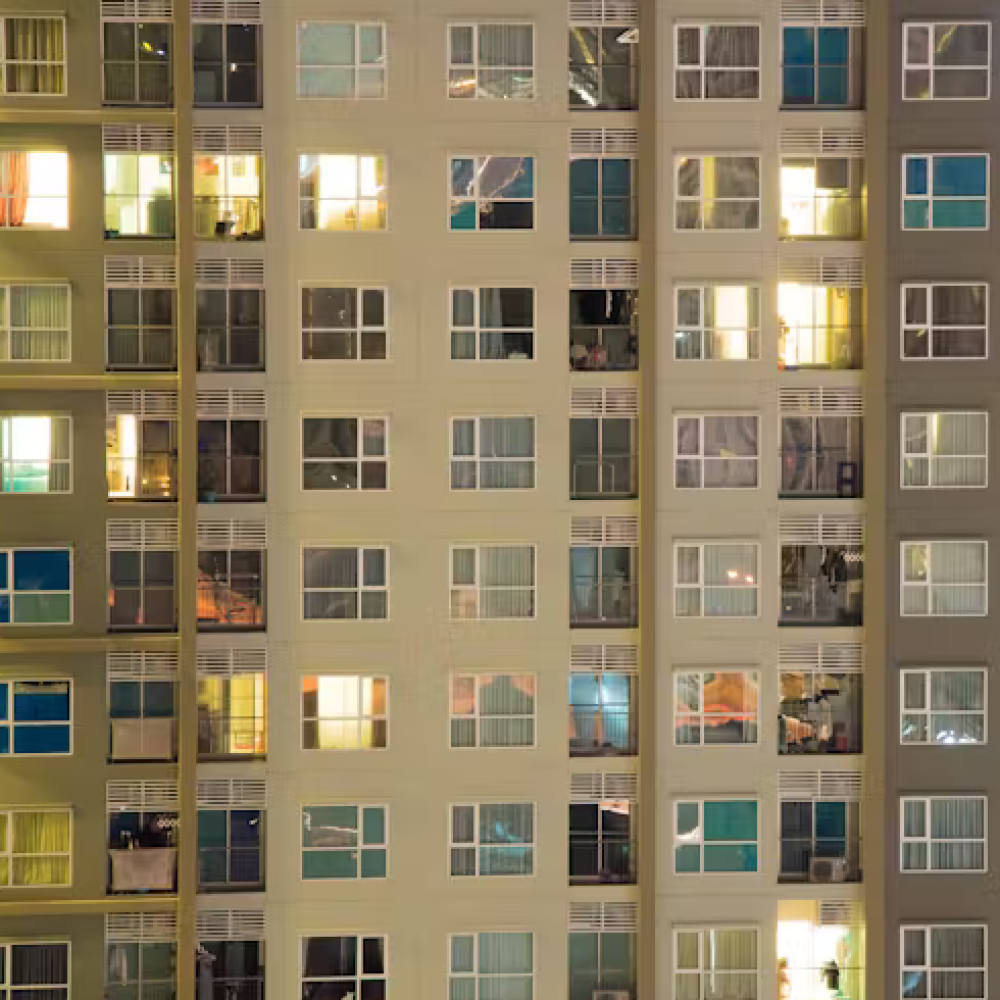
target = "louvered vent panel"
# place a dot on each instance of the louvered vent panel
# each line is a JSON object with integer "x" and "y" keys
{"x": 839, "y": 912}
{"x": 619, "y": 401}
{"x": 138, "y": 138}
{"x": 835, "y": 272}
{"x": 606, "y": 657}
{"x": 603, "y": 141}
{"x": 245, "y": 403}
{"x": 603, "y": 787}
{"x": 603, "y": 916}
{"x": 230, "y": 272}
{"x": 142, "y": 795}
{"x": 818, "y": 141}
{"x": 230, "y": 925}
{"x": 840, "y": 785}
{"x": 222, "y": 534}
{"x": 125, "y": 665}
{"x": 217, "y": 661}
{"x": 821, "y": 529}
{"x": 829, "y": 657}
{"x": 844, "y": 13}
{"x": 808, "y": 785}
{"x": 234, "y": 11}
{"x": 125, "y": 534}
{"x": 604, "y": 272}
{"x": 155, "y": 272}
{"x": 586, "y": 531}
{"x": 625, "y": 12}
{"x": 126, "y": 927}
{"x": 141, "y": 403}
{"x": 133, "y": 10}
{"x": 224, "y": 793}
{"x": 845, "y": 401}
{"x": 221, "y": 139}
{"x": 798, "y": 785}
{"x": 623, "y": 530}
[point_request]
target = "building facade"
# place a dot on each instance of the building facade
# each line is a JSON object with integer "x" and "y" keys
{"x": 389, "y": 606}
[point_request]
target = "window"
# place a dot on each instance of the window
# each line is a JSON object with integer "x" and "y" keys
{"x": 820, "y": 712}
{"x": 35, "y": 848}
{"x": 820, "y": 326}
{"x": 345, "y": 453}
{"x": 491, "y": 965}
{"x": 715, "y": 707}
{"x": 35, "y": 454}
{"x": 492, "y": 324}
{"x": 137, "y": 61}
{"x": 230, "y": 849}
{"x": 492, "y": 582}
{"x": 26, "y": 967}
{"x": 345, "y": 583}
{"x": 34, "y": 56}
{"x": 345, "y": 966}
{"x": 345, "y": 842}
{"x": 820, "y": 840}
{"x": 943, "y": 834}
{"x": 942, "y": 579}
{"x": 228, "y": 195}
{"x": 143, "y": 714}
{"x": 715, "y": 579}
{"x": 230, "y": 459}
{"x": 603, "y": 68}
{"x": 822, "y": 197}
{"x": 717, "y": 192}
{"x": 716, "y": 961}
{"x": 603, "y": 454}
{"x": 34, "y": 322}
{"x": 230, "y": 329}
{"x": 943, "y": 450}
{"x": 230, "y": 969}
{"x": 946, "y": 61}
{"x": 942, "y": 320}
{"x": 232, "y": 715}
{"x": 340, "y": 60}
{"x": 141, "y": 591}
{"x": 36, "y": 586}
{"x": 819, "y": 65}
{"x": 602, "y": 198}
{"x": 230, "y": 588}
{"x": 492, "y": 192}
{"x": 717, "y": 835}
{"x": 821, "y": 454}
{"x": 343, "y": 193}
{"x": 227, "y": 60}
{"x": 491, "y": 61}
{"x": 493, "y": 710}
{"x": 34, "y": 189}
{"x": 717, "y": 62}
{"x": 942, "y": 707}
{"x": 142, "y": 850}
{"x": 717, "y": 323}
{"x": 493, "y": 453}
{"x": 716, "y": 452}
{"x": 603, "y": 329}
{"x": 141, "y": 328}
{"x": 603, "y": 714}
{"x": 138, "y": 195}
{"x": 604, "y": 586}
{"x": 36, "y": 717}
{"x": 345, "y": 712}
{"x": 602, "y": 843}
{"x": 493, "y": 839}
{"x": 140, "y": 455}
{"x": 946, "y": 191}
{"x": 345, "y": 324}
{"x": 144, "y": 970}
{"x": 822, "y": 583}
{"x": 943, "y": 958}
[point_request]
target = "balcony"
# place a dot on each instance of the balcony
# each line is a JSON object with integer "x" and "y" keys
{"x": 821, "y": 585}
{"x": 141, "y": 592}
{"x": 226, "y": 735}
{"x": 603, "y": 349}
{"x": 142, "y": 349}
{"x": 820, "y": 326}
{"x": 822, "y": 198}
{"x": 820, "y": 713}
{"x": 602, "y": 731}
{"x": 820, "y": 860}
{"x": 225, "y": 604}
{"x": 143, "y": 869}
{"x": 149, "y": 477}
{"x": 228, "y": 218}
{"x": 229, "y": 970}
{"x": 820, "y": 472}
{"x": 602, "y": 849}
{"x": 231, "y": 349}
{"x": 604, "y": 603}
{"x": 230, "y": 477}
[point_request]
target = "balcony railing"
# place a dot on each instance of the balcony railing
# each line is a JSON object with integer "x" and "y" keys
{"x": 143, "y": 869}
{"x": 151, "y": 477}
{"x": 228, "y": 218}
{"x": 603, "y": 349}
{"x": 230, "y": 736}
{"x": 593, "y": 477}
{"x": 211, "y": 988}
{"x": 224, "y": 605}
{"x": 143, "y": 739}
{"x": 230, "y": 477}
{"x": 614, "y": 604}
{"x": 149, "y": 348}
{"x": 823, "y": 217}
{"x": 820, "y": 472}
{"x": 603, "y": 88}
{"x": 821, "y": 347}
{"x": 602, "y": 731}
{"x": 820, "y": 860}
{"x": 819, "y": 601}
{"x": 152, "y": 607}
{"x": 236, "y": 348}
{"x": 604, "y": 860}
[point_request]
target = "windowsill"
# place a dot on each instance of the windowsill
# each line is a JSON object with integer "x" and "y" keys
{"x": 143, "y": 629}
{"x": 207, "y": 758}
{"x": 212, "y": 888}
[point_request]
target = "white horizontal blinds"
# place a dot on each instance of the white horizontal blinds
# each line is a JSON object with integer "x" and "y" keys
{"x": 140, "y": 665}
{"x": 124, "y": 534}
{"x": 620, "y": 401}
{"x": 230, "y": 925}
{"x": 145, "y": 403}
{"x": 831, "y": 786}
{"x": 844, "y": 401}
{"x": 586, "y": 142}
{"x": 220, "y": 404}
{"x": 218, "y": 661}
{"x": 823, "y": 141}
{"x": 142, "y": 796}
{"x": 229, "y": 272}
{"x": 603, "y": 787}
{"x": 624, "y": 12}
{"x": 610, "y": 656}
{"x": 620, "y": 530}
{"x": 218, "y": 140}
{"x": 140, "y": 927}
{"x": 132, "y": 272}
{"x": 604, "y": 272}
{"x": 821, "y": 529}
{"x": 232, "y": 793}
{"x": 621, "y": 917}
{"x": 137, "y": 10}
{"x": 231, "y": 534}
{"x": 137, "y": 138}
{"x": 840, "y": 13}
{"x": 234, "y": 11}
{"x": 835, "y": 271}
{"x": 826, "y": 657}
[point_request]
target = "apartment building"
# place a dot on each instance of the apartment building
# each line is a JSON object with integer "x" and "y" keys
{"x": 389, "y": 607}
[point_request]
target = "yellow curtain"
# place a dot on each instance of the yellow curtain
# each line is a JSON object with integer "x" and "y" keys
{"x": 34, "y": 55}
{"x": 40, "y": 846}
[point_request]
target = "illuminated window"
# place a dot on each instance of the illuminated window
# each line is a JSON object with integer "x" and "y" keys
{"x": 339, "y": 583}
{"x": 345, "y": 842}
{"x": 230, "y": 589}
{"x": 492, "y": 581}
{"x": 822, "y": 581}
{"x": 942, "y": 707}
{"x": 343, "y": 193}
{"x": 345, "y": 324}
{"x": 821, "y": 453}
{"x": 714, "y": 707}
{"x": 340, "y": 60}
{"x": 717, "y": 62}
{"x": 35, "y": 454}
{"x": 716, "y": 451}
{"x": 34, "y": 322}
{"x": 945, "y": 320}
{"x": 228, "y": 196}
{"x": 493, "y": 710}
{"x": 493, "y": 839}
{"x": 715, "y": 835}
{"x": 936, "y": 956}
{"x": 492, "y": 192}
{"x": 345, "y": 453}
{"x": 939, "y": 834}
{"x": 36, "y": 717}
{"x": 35, "y": 850}
{"x": 820, "y": 326}
{"x": 604, "y": 586}
{"x": 492, "y": 453}
{"x": 227, "y": 64}
{"x": 946, "y": 191}
{"x": 141, "y": 455}
{"x": 822, "y": 197}
{"x": 232, "y": 714}
{"x": 820, "y": 712}
{"x": 137, "y": 61}
{"x": 946, "y": 449}
{"x": 946, "y": 61}
{"x": 716, "y": 579}
{"x": 706, "y": 958}
{"x": 138, "y": 195}
{"x": 715, "y": 193}
{"x": 36, "y": 586}
{"x": 345, "y": 712}
{"x": 33, "y": 56}
{"x": 491, "y": 61}
{"x": 34, "y": 189}
{"x": 817, "y": 956}
{"x": 603, "y": 67}
{"x": 603, "y": 713}
{"x": 943, "y": 579}
{"x": 492, "y": 324}
{"x": 717, "y": 323}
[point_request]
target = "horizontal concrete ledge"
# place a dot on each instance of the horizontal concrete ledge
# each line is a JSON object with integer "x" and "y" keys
{"x": 87, "y": 643}
{"x": 55, "y": 382}
{"x": 85, "y": 116}
{"x": 84, "y": 907}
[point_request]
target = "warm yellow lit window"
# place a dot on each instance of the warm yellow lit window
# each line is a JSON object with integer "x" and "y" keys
{"x": 34, "y": 189}
{"x": 138, "y": 194}
{"x": 35, "y": 454}
{"x": 141, "y": 457}
{"x": 345, "y": 713}
{"x": 227, "y": 195}
{"x": 820, "y": 326}
{"x": 821, "y": 196}
{"x": 342, "y": 192}
{"x": 232, "y": 714}
{"x": 34, "y": 847}
{"x": 811, "y": 953}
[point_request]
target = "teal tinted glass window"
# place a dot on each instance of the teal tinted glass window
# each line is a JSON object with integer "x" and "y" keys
{"x": 716, "y": 836}
{"x": 35, "y": 586}
{"x": 344, "y": 841}
{"x": 815, "y": 65}
{"x": 945, "y": 191}
{"x": 35, "y": 717}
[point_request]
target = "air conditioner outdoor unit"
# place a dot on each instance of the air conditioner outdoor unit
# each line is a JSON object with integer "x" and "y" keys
{"x": 828, "y": 870}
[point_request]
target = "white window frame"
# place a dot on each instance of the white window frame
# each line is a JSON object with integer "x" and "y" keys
{"x": 224, "y": 23}
{"x": 928, "y": 711}
{"x": 700, "y": 717}
{"x": 360, "y": 975}
{"x": 360, "y": 460}
{"x": 477, "y": 716}
{"x": 382, "y": 197}
{"x": 929, "y": 583}
{"x": 704, "y": 460}
{"x": 137, "y": 20}
{"x": 929, "y": 197}
{"x": 357, "y": 65}
{"x": 10, "y": 724}
{"x": 7, "y": 964}
{"x": 360, "y": 589}
{"x": 479, "y": 460}
{"x": 933, "y": 460}
{"x": 6, "y": 227}
{"x": 358, "y": 849}
{"x": 475, "y": 68}
{"x": 928, "y": 288}
{"x": 477, "y": 589}
{"x": 478, "y": 200}
{"x": 143, "y": 331}
{"x": 360, "y": 717}
{"x": 929, "y": 841}
{"x": 704, "y": 332}
{"x": 477, "y": 328}
{"x": 7, "y": 64}
{"x": 361, "y": 329}
{"x": 476, "y": 846}
{"x": 50, "y": 462}
{"x": 701, "y": 200}
{"x": 11, "y": 593}
{"x": 932, "y": 70}
{"x": 705, "y": 970}
{"x": 700, "y": 838}
{"x": 475, "y": 977}
{"x": 927, "y": 930}
{"x": 700, "y": 585}
{"x": 8, "y": 854}
{"x": 702, "y": 67}
{"x": 7, "y": 334}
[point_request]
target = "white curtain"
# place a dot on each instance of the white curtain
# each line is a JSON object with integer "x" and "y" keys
{"x": 959, "y": 950}
{"x": 944, "y": 578}
{"x": 730, "y": 583}
{"x": 723, "y": 452}
{"x": 507, "y": 581}
{"x": 944, "y": 449}
{"x": 944, "y": 835}
{"x": 39, "y": 323}
{"x": 723, "y": 968}
{"x": 513, "y": 440}
{"x": 943, "y": 706}
{"x": 506, "y": 710}
{"x": 506, "y": 839}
